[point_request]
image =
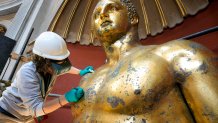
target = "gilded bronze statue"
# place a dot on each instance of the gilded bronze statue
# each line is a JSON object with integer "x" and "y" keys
{"x": 174, "y": 82}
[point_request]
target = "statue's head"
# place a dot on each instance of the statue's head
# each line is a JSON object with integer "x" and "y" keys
{"x": 112, "y": 19}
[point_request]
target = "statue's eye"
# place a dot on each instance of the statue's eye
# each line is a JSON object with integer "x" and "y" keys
{"x": 96, "y": 15}
{"x": 113, "y": 8}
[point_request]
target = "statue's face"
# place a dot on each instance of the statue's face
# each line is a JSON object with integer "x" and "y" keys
{"x": 110, "y": 20}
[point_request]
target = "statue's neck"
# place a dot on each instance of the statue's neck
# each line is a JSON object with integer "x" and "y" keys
{"x": 120, "y": 48}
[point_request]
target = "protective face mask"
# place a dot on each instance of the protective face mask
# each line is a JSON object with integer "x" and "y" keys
{"x": 61, "y": 68}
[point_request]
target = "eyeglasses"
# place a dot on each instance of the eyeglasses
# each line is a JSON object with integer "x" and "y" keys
{"x": 59, "y": 61}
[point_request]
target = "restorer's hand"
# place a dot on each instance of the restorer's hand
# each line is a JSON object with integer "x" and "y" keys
{"x": 88, "y": 69}
{"x": 74, "y": 95}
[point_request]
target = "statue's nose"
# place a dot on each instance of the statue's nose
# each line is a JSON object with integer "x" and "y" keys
{"x": 103, "y": 15}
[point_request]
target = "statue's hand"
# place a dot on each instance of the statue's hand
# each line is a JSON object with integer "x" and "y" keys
{"x": 74, "y": 95}
{"x": 88, "y": 69}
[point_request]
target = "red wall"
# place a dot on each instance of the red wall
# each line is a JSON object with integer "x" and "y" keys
{"x": 207, "y": 18}
{"x": 82, "y": 56}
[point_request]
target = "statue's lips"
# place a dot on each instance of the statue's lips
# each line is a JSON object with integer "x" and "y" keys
{"x": 105, "y": 23}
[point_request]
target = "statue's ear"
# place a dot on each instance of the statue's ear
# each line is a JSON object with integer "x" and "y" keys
{"x": 134, "y": 20}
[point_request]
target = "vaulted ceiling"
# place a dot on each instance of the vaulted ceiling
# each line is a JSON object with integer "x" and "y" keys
{"x": 73, "y": 19}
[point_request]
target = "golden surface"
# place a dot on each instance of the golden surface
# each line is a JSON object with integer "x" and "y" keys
{"x": 181, "y": 7}
{"x": 57, "y": 16}
{"x": 145, "y": 15}
{"x": 175, "y": 82}
{"x": 69, "y": 19}
{"x": 160, "y": 10}
{"x": 73, "y": 20}
{"x": 2, "y": 29}
{"x": 83, "y": 20}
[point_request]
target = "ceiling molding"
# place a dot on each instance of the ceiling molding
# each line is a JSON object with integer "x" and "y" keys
{"x": 9, "y": 6}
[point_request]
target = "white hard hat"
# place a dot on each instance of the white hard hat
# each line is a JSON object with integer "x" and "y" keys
{"x": 50, "y": 45}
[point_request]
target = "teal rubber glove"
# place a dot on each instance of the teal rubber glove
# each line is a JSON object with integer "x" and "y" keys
{"x": 74, "y": 95}
{"x": 88, "y": 69}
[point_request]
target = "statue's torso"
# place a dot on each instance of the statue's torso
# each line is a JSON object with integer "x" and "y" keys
{"x": 138, "y": 88}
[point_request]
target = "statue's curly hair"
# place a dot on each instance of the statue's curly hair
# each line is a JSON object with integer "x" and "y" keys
{"x": 42, "y": 64}
{"x": 131, "y": 9}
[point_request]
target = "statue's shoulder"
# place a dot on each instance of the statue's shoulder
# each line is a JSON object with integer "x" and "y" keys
{"x": 144, "y": 53}
{"x": 143, "y": 49}
{"x": 180, "y": 48}
{"x": 183, "y": 44}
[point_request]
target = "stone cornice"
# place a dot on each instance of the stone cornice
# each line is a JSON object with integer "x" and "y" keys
{"x": 9, "y": 6}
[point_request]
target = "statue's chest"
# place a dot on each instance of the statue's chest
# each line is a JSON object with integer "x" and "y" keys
{"x": 127, "y": 87}
{"x": 117, "y": 86}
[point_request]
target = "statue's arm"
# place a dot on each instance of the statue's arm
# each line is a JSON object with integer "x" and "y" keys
{"x": 197, "y": 73}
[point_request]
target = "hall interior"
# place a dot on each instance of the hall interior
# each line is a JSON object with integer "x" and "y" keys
{"x": 82, "y": 55}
